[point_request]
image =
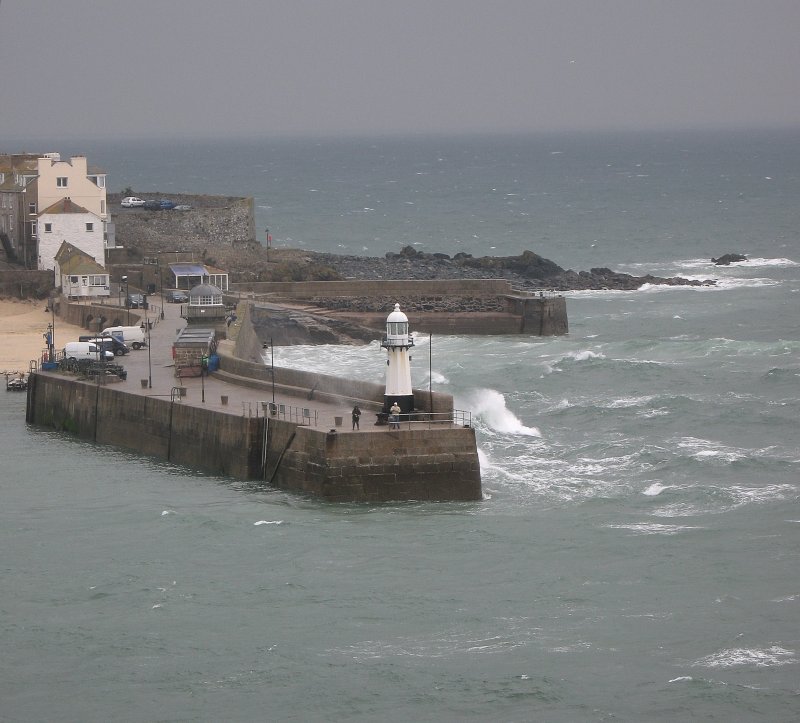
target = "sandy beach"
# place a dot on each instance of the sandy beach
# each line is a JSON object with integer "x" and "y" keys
{"x": 22, "y": 328}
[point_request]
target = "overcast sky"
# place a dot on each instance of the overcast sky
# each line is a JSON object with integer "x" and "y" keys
{"x": 75, "y": 68}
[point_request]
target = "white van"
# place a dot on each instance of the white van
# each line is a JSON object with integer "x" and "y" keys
{"x": 77, "y": 350}
{"x": 130, "y": 335}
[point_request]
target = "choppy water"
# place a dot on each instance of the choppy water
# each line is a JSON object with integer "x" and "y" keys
{"x": 636, "y": 553}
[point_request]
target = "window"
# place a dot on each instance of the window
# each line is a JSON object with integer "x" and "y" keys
{"x": 73, "y": 279}
{"x": 33, "y": 230}
{"x": 90, "y": 227}
{"x": 31, "y": 208}
{"x": 98, "y": 280}
{"x": 99, "y": 181}
{"x": 102, "y": 206}
{"x": 48, "y": 228}
{"x": 61, "y": 182}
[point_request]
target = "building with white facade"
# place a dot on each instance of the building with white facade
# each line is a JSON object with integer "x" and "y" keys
{"x": 34, "y": 184}
{"x": 67, "y": 222}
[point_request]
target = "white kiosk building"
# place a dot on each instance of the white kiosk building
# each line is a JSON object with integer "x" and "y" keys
{"x": 397, "y": 342}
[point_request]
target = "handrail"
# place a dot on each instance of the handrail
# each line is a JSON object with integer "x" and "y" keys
{"x": 296, "y": 415}
{"x": 458, "y": 418}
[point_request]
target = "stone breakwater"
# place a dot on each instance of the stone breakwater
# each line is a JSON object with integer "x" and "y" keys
{"x": 411, "y": 304}
{"x": 528, "y": 271}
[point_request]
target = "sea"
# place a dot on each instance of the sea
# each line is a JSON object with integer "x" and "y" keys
{"x": 636, "y": 553}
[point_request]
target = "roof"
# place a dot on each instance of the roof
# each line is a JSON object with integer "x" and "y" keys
{"x": 188, "y": 269}
{"x": 65, "y": 205}
{"x": 204, "y": 290}
{"x": 73, "y": 260}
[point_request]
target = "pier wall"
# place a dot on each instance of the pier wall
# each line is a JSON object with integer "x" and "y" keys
{"x": 199, "y": 438}
{"x": 540, "y": 315}
{"x": 378, "y": 287}
{"x": 424, "y": 463}
{"x": 417, "y": 464}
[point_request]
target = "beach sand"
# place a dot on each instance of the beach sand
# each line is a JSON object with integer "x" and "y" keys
{"x": 22, "y": 328}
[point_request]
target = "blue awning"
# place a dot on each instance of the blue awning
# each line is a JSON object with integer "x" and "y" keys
{"x": 188, "y": 269}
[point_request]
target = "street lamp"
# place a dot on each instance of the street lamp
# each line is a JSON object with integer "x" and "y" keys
{"x": 160, "y": 285}
{"x": 149, "y": 362}
{"x": 127, "y": 299}
{"x": 269, "y": 242}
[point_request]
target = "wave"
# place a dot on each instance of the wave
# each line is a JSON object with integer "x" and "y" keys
{"x": 771, "y": 657}
{"x": 489, "y": 407}
{"x": 650, "y": 528}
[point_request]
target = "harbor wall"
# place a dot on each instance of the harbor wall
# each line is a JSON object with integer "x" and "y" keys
{"x": 542, "y": 314}
{"x": 408, "y": 464}
{"x": 420, "y": 463}
{"x": 378, "y": 287}
{"x": 198, "y": 438}
{"x": 94, "y": 317}
{"x": 241, "y": 359}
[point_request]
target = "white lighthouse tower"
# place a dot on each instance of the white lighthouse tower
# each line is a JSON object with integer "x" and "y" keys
{"x": 398, "y": 370}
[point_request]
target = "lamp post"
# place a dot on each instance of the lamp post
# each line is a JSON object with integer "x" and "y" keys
{"x": 203, "y": 367}
{"x": 272, "y": 353}
{"x": 160, "y": 286}
{"x": 269, "y": 242}
{"x": 127, "y": 299}
{"x": 149, "y": 360}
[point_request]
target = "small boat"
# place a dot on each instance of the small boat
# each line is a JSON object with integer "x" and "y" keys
{"x": 16, "y": 384}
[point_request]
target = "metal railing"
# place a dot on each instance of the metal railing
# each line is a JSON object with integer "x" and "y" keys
{"x": 458, "y": 418}
{"x": 304, "y": 416}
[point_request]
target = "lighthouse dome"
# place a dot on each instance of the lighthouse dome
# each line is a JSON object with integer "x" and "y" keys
{"x": 396, "y": 316}
{"x": 397, "y": 329}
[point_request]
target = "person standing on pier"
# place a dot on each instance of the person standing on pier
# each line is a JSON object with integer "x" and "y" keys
{"x": 356, "y": 417}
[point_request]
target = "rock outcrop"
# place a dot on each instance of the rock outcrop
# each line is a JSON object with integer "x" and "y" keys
{"x": 528, "y": 270}
{"x": 727, "y": 259}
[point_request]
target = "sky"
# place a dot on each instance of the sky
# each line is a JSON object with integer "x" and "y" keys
{"x": 245, "y": 68}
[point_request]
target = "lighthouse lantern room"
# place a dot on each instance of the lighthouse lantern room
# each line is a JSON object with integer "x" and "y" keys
{"x": 397, "y": 342}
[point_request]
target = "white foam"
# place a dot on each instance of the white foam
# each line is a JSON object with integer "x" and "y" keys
{"x": 654, "y": 489}
{"x": 490, "y": 406}
{"x": 269, "y": 522}
{"x": 652, "y": 528}
{"x": 758, "y": 657}
{"x": 167, "y": 512}
{"x": 682, "y": 679}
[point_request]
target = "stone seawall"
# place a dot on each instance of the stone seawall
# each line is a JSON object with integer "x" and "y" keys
{"x": 423, "y": 463}
{"x": 210, "y": 229}
{"x": 464, "y": 302}
{"x": 198, "y": 438}
{"x": 378, "y": 287}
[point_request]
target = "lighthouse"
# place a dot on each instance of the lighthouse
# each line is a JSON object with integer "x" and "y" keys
{"x": 397, "y": 342}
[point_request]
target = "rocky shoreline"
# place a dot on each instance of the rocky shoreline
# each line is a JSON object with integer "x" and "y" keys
{"x": 528, "y": 271}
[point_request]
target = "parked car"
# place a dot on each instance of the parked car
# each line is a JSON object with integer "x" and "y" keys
{"x": 131, "y": 202}
{"x": 109, "y": 343}
{"x": 129, "y": 335}
{"x": 135, "y": 301}
{"x": 151, "y": 205}
{"x": 176, "y": 297}
{"x": 77, "y": 350}
{"x": 182, "y": 207}
{"x": 166, "y": 204}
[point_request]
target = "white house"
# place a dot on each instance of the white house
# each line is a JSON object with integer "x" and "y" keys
{"x": 66, "y": 221}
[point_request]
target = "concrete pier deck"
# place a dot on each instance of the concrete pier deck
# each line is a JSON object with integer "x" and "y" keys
{"x": 157, "y": 367}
